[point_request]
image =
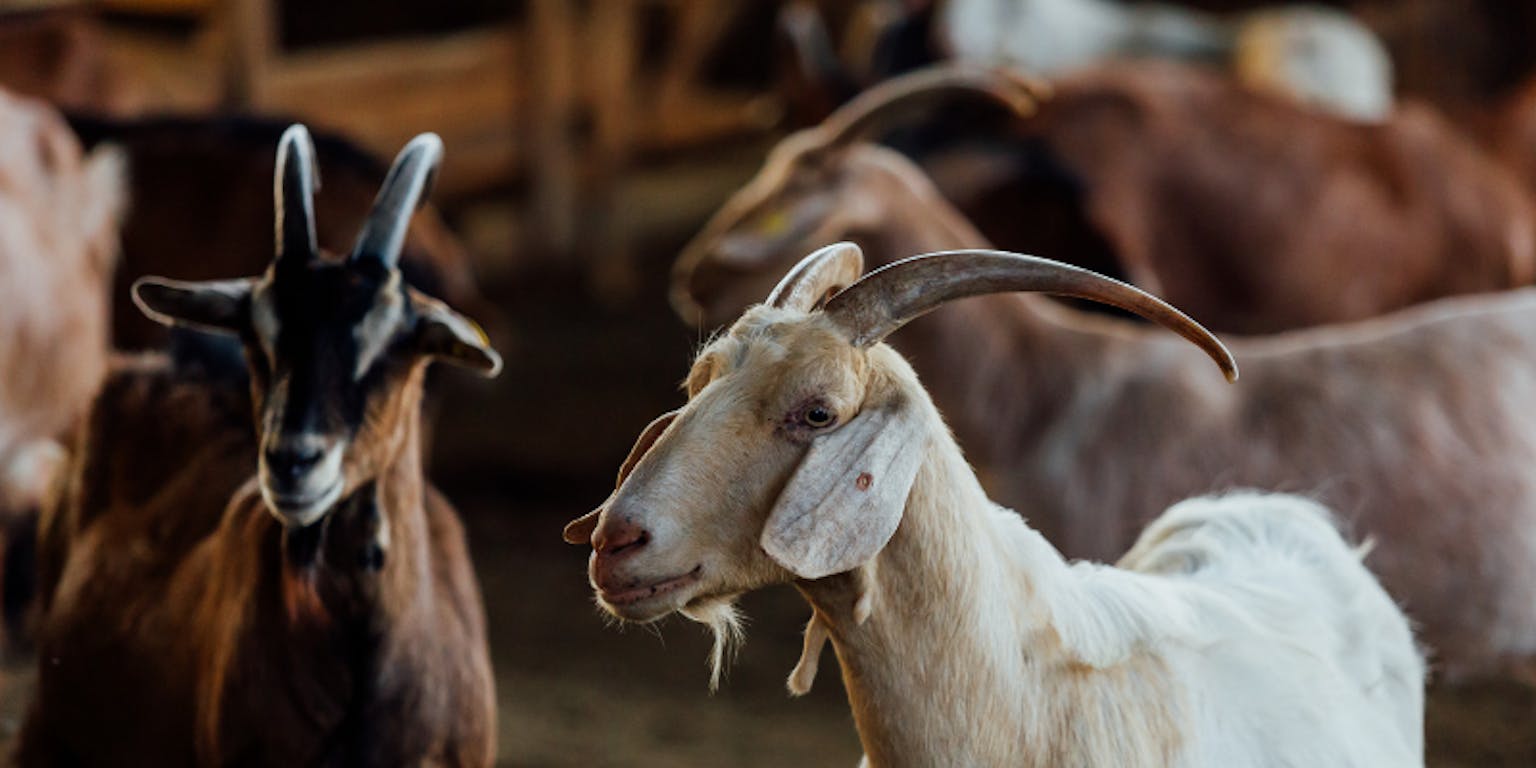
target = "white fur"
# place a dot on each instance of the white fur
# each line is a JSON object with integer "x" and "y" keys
{"x": 1240, "y": 630}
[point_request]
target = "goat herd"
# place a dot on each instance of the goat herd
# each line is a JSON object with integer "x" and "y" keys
{"x": 244, "y": 563}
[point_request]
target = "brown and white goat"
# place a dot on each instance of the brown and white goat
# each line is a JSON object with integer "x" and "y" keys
{"x": 1239, "y": 630}
{"x": 325, "y": 613}
{"x": 1254, "y": 215}
{"x": 1414, "y": 426}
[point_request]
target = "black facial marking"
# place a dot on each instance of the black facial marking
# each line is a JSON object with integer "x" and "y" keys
{"x": 318, "y": 311}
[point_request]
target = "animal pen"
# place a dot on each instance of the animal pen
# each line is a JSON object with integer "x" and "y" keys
{"x": 691, "y": 383}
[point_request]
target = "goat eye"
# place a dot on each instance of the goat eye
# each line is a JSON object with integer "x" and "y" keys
{"x": 818, "y": 417}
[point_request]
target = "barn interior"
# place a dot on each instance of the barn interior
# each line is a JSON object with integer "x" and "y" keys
{"x": 586, "y": 144}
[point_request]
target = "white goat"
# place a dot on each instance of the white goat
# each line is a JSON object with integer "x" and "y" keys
{"x": 1238, "y": 631}
{"x": 1317, "y": 55}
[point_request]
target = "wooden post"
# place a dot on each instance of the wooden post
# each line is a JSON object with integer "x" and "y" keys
{"x": 552, "y": 72}
{"x": 614, "y": 79}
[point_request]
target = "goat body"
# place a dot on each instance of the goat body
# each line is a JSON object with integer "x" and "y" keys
{"x": 169, "y": 588}
{"x": 1257, "y": 216}
{"x": 1241, "y": 631}
{"x": 1413, "y": 426}
{"x": 290, "y": 591}
{"x": 1238, "y": 631}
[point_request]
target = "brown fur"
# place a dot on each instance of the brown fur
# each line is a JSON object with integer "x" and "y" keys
{"x": 1257, "y": 216}
{"x": 1249, "y": 212}
{"x": 171, "y": 592}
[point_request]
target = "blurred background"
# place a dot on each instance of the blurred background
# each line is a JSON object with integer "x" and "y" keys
{"x": 586, "y": 143}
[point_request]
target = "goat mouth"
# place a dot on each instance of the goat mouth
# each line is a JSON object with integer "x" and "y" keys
{"x": 644, "y": 592}
{"x": 300, "y": 509}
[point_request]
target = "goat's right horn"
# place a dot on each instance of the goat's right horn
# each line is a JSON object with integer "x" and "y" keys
{"x": 404, "y": 190}
{"x": 293, "y": 194}
{"x": 817, "y": 277}
{"x": 889, "y": 297}
{"x": 869, "y": 109}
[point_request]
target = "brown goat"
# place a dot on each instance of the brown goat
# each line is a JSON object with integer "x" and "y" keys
{"x": 320, "y": 612}
{"x": 1416, "y": 427}
{"x": 1254, "y": 214}
{"x": 58, "y": 241}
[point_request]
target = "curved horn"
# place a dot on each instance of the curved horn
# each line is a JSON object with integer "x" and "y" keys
{"x": 404, "y": 190}
{"x": 889, "y": 297}
{"x": 293, "y": 194}
{"x": 817, "y": 276}
{"x": 856, "y": 118}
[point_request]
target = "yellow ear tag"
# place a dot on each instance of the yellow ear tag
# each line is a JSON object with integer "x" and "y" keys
{"x": 484, "y": 339}
{"x": 774, "y": 224}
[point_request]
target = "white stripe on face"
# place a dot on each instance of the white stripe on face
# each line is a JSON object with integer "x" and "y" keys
{"x": 377, "y": 329}
{"x": 264, "y": 320}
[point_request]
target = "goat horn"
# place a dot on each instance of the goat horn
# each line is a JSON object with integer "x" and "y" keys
{"x": 293, "y": 195}
{"x": 404, "y": 190}
{"x": 889, "y": 297}
{"x": 818, "y": 276}
{"x": 856, "y": 118}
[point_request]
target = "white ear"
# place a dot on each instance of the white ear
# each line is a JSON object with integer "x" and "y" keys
{"x": 845, "y": 500}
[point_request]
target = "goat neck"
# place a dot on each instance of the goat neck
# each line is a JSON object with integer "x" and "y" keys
{"x": 362, "y": 560}
{"x": 955, "y": 602}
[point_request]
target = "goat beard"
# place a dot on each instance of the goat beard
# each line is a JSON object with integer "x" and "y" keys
{"x": 726, "y": 622}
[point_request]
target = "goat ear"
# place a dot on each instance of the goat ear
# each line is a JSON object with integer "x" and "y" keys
{"x": 845, "y": 500}
{"x": 221, "y": 306}
{"x": 453, "y": 338}
{"x": 579, "y": 531}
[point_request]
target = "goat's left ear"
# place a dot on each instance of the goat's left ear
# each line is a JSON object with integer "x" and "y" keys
{"x": 453, "y": 338}
{"x": 221, "y": 306}
{"x": 845, "y": 500}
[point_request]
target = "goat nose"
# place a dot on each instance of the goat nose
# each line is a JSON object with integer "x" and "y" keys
{"x": 619, "y": 536}
{"x": 292, "y": 462}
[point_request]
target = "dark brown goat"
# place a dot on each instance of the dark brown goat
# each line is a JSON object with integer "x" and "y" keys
{"x": 1253, "y": 213}
{"x": 205, "y": 182}
{"x": 320, "y": 612}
